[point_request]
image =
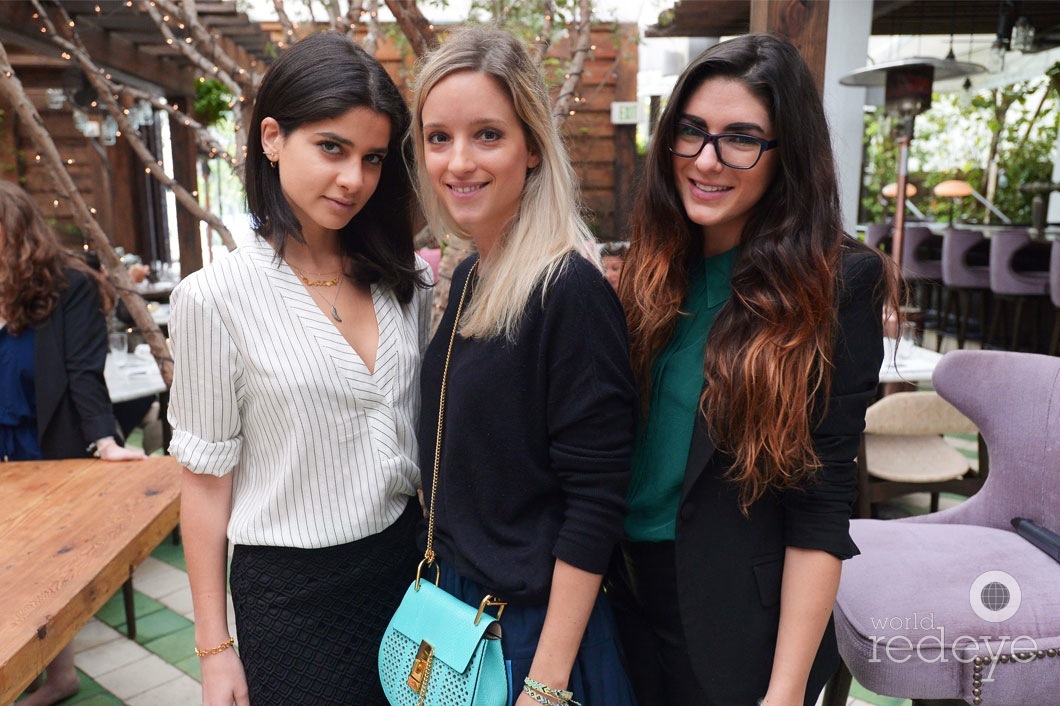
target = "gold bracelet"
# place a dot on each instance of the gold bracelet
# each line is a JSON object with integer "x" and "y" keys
{"x": 215, "y": 650}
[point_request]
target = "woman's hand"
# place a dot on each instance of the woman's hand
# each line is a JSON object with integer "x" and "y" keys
{"x": 108, "y": 450}
{"x": 223, "y": 681}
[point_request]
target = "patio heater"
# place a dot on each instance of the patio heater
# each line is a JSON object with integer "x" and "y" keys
{"x": 907, "y": 84}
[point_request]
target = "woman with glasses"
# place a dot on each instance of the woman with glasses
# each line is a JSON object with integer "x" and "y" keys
{"x": 756, "y": 336}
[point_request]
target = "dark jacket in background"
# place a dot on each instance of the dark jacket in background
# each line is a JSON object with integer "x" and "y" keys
{"x": 73, "y": 406}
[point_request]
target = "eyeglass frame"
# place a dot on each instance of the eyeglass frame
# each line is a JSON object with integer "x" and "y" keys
{"x": 764, "y": 145}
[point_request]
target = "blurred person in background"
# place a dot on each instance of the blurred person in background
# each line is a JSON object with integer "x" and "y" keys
{"x": 53, "y": 347}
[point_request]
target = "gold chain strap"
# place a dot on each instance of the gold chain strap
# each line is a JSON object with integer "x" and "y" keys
{"x": 428, "y": 556}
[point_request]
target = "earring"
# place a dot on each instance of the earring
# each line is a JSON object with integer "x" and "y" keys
{"x": 269, "y": 158}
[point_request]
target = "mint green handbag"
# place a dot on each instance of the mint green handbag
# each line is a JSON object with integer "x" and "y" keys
{"x": 438, "y": 650}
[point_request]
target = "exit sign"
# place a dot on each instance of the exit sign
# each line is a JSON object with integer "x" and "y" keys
{"x": 624, "y": 113}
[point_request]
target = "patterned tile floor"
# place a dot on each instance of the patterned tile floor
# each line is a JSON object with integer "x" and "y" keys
{"x": 159, "y": 668}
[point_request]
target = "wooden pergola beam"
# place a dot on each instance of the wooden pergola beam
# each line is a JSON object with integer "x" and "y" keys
{"x": 120, "y": 55}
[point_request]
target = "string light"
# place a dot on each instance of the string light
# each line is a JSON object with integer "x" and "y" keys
{"x": 55, "y": 202}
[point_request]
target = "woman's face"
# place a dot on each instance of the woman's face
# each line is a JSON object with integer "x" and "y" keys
{"x": 476, "y": 154}
{"x": 329, "y": 168}
{"x": 717, "y": 197}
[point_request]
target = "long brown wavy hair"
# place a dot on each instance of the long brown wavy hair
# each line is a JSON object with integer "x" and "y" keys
{"x": 769, "y": 352}
{"x": 32, "y": 263}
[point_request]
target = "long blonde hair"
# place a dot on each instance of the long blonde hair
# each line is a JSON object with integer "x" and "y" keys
{"x": 548, "y": 224}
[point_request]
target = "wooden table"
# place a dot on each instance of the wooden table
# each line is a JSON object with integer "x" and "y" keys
{"x": 71, "y": 533}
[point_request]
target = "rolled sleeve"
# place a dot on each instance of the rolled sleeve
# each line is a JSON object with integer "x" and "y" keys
{"x": 818, "y": 517}
{"x": 203, "y": 407}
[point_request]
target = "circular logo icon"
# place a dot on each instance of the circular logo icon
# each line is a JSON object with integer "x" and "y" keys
{"x": 995, "y": 596}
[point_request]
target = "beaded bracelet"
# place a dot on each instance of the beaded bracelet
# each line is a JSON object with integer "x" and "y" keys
{"x": 547, "y": 695}
{"x": 215, "y": 650}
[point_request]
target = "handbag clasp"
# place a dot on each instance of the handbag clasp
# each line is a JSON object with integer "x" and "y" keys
{"x": 421, "y": 667}
{"x": 490, "y": 602}
{"x": 419, "y": 570}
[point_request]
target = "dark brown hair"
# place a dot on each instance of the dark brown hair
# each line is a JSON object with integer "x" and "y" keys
{"x": 321, "y": 77}
{"x": 770, "y": 349}
{"x": 33, "y": 263}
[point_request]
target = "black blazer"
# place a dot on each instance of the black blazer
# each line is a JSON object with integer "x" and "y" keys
{"x": 729, "y": 567}
{"x": 73, "y": 406}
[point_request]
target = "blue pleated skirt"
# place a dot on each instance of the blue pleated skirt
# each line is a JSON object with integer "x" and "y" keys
{"x": 598, "y": 677}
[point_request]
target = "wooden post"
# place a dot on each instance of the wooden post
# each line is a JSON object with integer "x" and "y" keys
{"x": 185, "y": 172}
{"x": 804, "y": 22}
{"x": 625, "y": 135}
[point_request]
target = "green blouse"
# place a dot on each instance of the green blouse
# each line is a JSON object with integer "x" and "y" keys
{"x": 661, "y": 450}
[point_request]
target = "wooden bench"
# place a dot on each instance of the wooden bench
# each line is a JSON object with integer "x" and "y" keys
{"x": 71, "y": 533}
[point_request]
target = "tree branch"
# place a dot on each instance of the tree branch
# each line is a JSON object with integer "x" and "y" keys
{"x": 285, "y": 21}
{"x": 580, "y": 51}
{"x": 544, "y": 41}
{"x": 12, "y": 89}
{"x": 71, "y": 42}
{"x": 420, "y": 33}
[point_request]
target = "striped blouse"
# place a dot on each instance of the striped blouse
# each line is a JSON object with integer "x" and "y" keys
{"x": 322, "y": 451}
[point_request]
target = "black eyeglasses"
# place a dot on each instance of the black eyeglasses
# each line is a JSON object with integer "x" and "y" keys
{"x": 733, "y": 150}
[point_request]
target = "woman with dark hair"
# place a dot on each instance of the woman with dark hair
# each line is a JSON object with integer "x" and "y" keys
{"x": 295, "y": 393}
{"x": 53, "y": 346}
{"x": 756, "y": 337}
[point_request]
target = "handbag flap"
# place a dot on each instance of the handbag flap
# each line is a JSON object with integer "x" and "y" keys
{"x": 446, "y": 623}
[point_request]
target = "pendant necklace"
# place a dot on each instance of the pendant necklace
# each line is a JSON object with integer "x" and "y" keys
{"x": 324, "y": 283}
{"x": 334, "y": 311}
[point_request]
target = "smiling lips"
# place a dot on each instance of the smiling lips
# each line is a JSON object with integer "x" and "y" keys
{"x": 465, "y": 189}
{"x": 707, "y": 188}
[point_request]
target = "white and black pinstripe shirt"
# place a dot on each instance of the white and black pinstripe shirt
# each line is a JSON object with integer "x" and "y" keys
{"x": 322, "y": 451}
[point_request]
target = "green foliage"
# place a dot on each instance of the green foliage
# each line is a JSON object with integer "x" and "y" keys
{"x": 212, "y": 101}
{"x": 955, "y": 140}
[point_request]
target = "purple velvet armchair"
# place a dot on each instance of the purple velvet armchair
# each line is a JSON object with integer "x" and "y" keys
{"x": 955, "y": 605}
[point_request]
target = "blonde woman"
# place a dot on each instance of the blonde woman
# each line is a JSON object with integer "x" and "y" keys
{"x": 540, "y": 399}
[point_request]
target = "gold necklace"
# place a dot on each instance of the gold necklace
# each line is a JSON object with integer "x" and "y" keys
{"x": 324, "y": 283}
{"x": 316, "y": 282}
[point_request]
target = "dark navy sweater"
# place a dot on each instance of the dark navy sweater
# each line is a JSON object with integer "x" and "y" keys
{"x": 537, "y": 440}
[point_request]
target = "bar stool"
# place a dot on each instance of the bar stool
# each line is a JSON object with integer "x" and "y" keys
{"x": 922, "y": 267}
{"x": 1054, "y": 294}
{"x": 962, "y": 279}
{"x": 1012, "y": 286}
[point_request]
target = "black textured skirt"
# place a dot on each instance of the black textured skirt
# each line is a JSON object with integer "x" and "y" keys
{"x": 309, "y": 621}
